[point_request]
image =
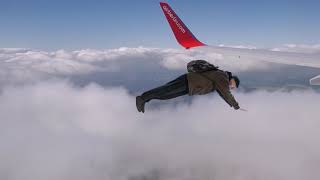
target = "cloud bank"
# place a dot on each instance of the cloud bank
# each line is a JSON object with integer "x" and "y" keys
{"x": 132, "y": 67}
{"x": 71, "y": 115}
{"x": 20, "y": 65}
{"x": 299, "y": 48}
{"x": 289, "y": 47}
{"x": 55, "y": 130}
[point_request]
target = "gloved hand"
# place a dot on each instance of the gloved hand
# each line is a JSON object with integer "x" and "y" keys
{"x": 236, "y": 107}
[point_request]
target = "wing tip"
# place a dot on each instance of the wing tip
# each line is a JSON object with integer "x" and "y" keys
{"x": 315, "y": 81}
{"x": 181, "y": 32}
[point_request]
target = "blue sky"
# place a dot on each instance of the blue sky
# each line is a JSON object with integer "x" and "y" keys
{"x": 59, "y": 24}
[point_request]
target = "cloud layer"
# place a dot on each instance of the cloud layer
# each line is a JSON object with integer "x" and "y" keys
{"x": 289, "y": 47}
{"x": 20, "y": 65}
{"x": 299, "y": 48}
{"x": 55, "y": 130}
{"x": 58, "y": 123}
{"x": 131, "y": 67}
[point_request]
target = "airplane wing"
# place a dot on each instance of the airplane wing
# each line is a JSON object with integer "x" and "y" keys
{"x": 186, "y": 39}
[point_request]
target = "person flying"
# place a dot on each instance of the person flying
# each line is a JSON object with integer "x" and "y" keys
{"x": 202, "y": 78}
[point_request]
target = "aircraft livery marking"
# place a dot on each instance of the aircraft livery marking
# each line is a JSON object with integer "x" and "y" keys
{"x": 174, "y": 19}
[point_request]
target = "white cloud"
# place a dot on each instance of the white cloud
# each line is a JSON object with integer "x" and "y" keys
{"x": 299, "y": 48}
{"x": 12, "y": 50}
{"x": 290, "y": 47}
{"x": 27, "y": 65}
{"x": 17, "y": 61}
{"x": 54, "y": 130}
{"x": 135, "y": 68}
{"x": 59, "y": 62}
{"x": 177, "y": 59}
{"x": 239, "y": 46}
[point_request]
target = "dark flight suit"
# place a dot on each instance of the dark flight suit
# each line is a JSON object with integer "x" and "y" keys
{"x": 195, "y": 84}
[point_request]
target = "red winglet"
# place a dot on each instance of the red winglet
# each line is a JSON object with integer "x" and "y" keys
{"x": 183, "y": 35}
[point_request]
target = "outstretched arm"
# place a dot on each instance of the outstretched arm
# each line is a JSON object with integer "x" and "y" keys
{"x": 224, "y": 92}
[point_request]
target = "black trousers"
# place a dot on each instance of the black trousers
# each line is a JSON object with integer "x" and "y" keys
{"x": 172, "y": 89}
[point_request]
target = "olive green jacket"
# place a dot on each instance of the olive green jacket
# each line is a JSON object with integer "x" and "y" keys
{"x": 206, "y": 82}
